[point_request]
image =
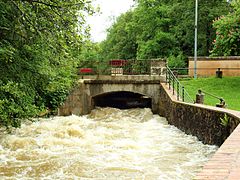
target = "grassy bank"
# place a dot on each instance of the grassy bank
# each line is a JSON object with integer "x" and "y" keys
{"x": 228, "y": 88}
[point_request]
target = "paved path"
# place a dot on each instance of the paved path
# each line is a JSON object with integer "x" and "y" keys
{"x": 225, "y": 163}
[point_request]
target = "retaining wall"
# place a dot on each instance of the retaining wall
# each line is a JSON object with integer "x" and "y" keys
{"x": 199, "y": 120}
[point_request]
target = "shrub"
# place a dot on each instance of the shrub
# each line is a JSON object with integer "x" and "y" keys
{"x": 177, "y": 62}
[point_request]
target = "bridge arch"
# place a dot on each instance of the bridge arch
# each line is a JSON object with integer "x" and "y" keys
{"x": 89, "y": 93}
{"x": 122, "y": 100}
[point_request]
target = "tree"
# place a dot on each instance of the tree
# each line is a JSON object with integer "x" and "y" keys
{"x": 154, "y": 38}
{"x": 227, "y": 42}
{"x": 90, "y": 51}
{"x": 161, "y": 28}
{"x": 183, "y": 15}
{"x": 121, "y": 39}
{"x": 39, "y": 41}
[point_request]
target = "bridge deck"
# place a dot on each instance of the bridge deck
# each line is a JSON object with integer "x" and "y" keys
{"x": 161, "y": 78}
{"x": 122, "y": 81}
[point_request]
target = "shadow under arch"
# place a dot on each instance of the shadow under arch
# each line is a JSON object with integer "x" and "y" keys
{"x": 122, "y": 100}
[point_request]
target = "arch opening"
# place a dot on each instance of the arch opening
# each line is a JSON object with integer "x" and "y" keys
{"x": 122, "y": 100}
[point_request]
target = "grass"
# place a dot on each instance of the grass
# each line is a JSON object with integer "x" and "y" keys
{"x": 228, "y": 88}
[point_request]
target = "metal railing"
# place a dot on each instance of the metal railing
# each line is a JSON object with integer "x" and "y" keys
{"x": 222, "y": 102}
{"x": 176, "y": 87}
{"x": 124, "y": 67}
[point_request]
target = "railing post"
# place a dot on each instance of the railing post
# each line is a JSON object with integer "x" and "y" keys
{"x": 183, "y": 94}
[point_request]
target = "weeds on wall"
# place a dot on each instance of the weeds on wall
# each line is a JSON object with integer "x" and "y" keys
{"x": 225, "y": 120}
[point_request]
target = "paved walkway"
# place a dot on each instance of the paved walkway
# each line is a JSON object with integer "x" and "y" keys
{"x": 225, "y": 163}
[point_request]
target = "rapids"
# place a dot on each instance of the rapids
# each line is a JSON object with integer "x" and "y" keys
{"x": 106, "y": 144}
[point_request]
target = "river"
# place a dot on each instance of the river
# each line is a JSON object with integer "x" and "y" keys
{"x": 106, "y": 144}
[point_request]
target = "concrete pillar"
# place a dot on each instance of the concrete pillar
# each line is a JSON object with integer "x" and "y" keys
{"x": 219, "y": 73}
{"x": 200, "y": 97}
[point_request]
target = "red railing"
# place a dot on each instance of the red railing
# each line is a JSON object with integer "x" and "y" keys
{"x": 118, "y": 62}
{"x": 86, "y": 71}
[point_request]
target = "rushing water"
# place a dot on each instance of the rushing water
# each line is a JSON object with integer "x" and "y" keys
{"x": 107, "y": 144}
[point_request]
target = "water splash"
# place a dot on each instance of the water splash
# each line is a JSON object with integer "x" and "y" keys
{"x": 106, "y": 144}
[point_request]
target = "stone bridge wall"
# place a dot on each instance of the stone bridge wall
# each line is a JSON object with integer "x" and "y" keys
{"x": 80, "y": 100}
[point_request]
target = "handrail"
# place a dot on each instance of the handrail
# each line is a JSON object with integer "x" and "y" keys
{"x": 222, "y": 101}
{"x": 177, "y": 87}
{"x": 217, "y": 97}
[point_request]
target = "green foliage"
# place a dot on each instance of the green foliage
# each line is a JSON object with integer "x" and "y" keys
{"x": 177, "y": 62}
{"x": 227, "y": 42}
{"x": 154, "y": 37}
{"x": 39, "y": 46}
{"x": 15, "y": 103}
{"x": 184, "y": 17}
{"x": 159, "y": 29}
{"x": 90, "y": 51}
{"x": 121, "y": 39}
{"x": 227, "y": 87}
{"x": 225, "y": 120}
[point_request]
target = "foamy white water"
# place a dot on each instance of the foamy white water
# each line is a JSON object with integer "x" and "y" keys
{"x": 107, "y": 144}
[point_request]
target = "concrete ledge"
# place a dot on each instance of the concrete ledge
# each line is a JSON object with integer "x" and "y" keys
{"x": 222, "y": 58}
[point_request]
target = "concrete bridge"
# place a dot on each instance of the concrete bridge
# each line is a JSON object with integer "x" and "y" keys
{"x": 115, "y": 91}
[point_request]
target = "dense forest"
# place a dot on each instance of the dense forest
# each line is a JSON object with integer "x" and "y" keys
{"x": 43, "y": 41}
{"x": 40, "y": 41}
